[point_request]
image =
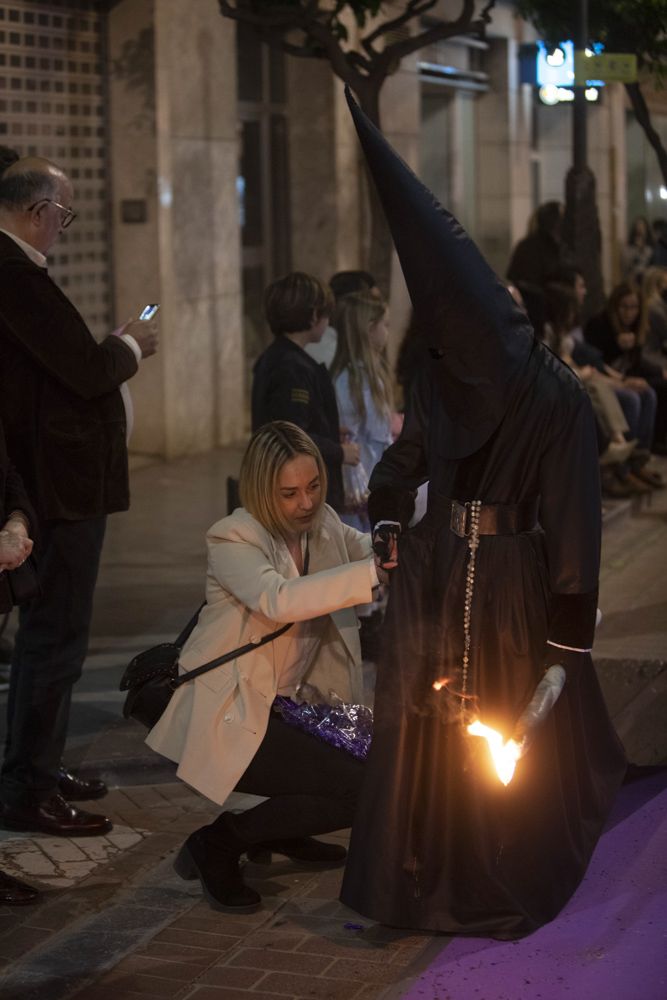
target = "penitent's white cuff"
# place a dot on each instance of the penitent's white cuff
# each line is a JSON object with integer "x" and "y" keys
{"x": 570, "y": 649}
{"x": 392, "y": 524}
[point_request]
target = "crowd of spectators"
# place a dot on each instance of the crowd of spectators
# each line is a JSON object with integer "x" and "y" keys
{"x": 619, "y": 353}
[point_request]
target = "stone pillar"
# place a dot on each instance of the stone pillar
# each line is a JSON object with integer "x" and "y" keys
{"x": 503, "y": 157}
{"x": 174, "y": 164}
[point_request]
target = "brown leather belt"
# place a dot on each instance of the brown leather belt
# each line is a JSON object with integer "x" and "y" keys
{"x": 494, "y": 518}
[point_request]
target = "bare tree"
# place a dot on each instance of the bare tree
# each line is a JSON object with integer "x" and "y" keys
{"x": 317, "y": 29}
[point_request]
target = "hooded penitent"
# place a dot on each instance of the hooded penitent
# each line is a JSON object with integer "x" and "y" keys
{"x": 480, "y": 338}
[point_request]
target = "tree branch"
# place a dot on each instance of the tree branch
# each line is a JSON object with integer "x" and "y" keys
{"x": 277, "y": 41}
{"x": 642, "y": 115}
{"x": 413, "y": 9}
{"x": 464, "y": 25}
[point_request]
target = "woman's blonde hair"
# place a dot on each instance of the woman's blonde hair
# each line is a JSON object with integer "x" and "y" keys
{"x": 355, "y": 314}
{"x": 269, "y": 449}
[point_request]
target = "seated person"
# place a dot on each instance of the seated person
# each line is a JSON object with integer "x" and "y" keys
{"x": 289, "y": 385}
{"x": 283, "y": 557}
{"x": 619, "y": 332}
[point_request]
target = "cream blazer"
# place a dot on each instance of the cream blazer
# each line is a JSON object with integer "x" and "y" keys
{"x": 213, "y": 725}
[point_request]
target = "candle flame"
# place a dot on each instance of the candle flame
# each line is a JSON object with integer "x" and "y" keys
{"x": 504, "y": 754}
{"x": 448, "y": 685}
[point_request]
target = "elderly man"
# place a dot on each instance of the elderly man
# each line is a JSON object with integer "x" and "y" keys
{"x": 65, "y": 425}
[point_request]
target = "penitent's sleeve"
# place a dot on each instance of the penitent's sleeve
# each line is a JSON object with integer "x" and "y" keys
{"x": 571, "y": 519}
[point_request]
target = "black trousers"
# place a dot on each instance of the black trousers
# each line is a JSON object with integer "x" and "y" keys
{"x": 312, "y": 787}
{"x": 50, "y": 648}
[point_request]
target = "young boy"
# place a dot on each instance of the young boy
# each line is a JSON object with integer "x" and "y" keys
{"x": 290, "y": 385}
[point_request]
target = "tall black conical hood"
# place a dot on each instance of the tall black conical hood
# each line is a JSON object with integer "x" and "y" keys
{"x": 464, "y": 311}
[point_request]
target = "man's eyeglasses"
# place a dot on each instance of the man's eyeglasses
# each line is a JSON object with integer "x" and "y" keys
{"x": 68, "y": 215}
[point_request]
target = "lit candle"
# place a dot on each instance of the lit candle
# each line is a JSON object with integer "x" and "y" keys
{"x": 504, "y": 754}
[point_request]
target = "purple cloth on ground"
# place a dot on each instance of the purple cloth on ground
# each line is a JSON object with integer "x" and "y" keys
{"x": 609, "y": 940}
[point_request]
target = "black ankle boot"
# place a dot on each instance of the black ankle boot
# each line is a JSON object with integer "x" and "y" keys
{"x": 305, "y": 851}
{"x": 212, "y": 856}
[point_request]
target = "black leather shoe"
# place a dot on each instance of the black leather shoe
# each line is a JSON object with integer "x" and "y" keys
{"x": 305, "y": 851}
{"x": 15, "y": 893}
{"x": 55, "y": 817}
{"x": 76, "y": 789}
{"x": 214, "y": 860}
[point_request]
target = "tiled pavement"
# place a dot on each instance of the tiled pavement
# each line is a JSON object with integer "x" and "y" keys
{"x": 128, "y": 927}
{"x": 116, "y": 921}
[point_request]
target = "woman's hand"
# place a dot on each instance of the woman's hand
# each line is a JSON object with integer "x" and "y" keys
{"x": 385, "y": 546}
{"x": 15, "y": 546}
{"x": 638, "y": 384}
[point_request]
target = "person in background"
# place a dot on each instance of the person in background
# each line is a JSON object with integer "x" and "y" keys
{"x": 362, "y": 379}
{"x": 65, "y": 425}
{"x": 16, "y": 520}
{"x": 659, "y": 255}
{"x": 617, "y": 478}
{"x": 572, "y": 278}
{"x": 654, "y": 320}
{"x": 284, "y": 556}
{"x": 289, "y": 385}
{"x": 618, "y": 333}
{"x": 637, "y": 252}
{"x": 342, "y": 283}
{"x": 535, "y": 258}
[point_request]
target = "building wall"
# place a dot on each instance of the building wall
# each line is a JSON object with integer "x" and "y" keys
{"x": 160, "y": 219}
{"x": 52, "y": 104}
{"x": 175, "y": 148}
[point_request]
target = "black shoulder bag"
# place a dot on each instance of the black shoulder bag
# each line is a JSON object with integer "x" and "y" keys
{"x": 152, "y": 677}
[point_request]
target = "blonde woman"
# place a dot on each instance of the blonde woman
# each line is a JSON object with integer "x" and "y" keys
{"x": 284, "y": 556}
{"x": 363, "y": 381}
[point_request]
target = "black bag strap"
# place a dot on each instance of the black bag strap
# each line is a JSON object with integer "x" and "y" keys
{"x": 235, "y": 653}
{"x": 183, "y": 636}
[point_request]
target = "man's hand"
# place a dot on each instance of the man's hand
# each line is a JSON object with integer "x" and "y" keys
{"x": 15, "y": 546}
{"x": 145, "y": 335}
{"x": 351, "y": 455}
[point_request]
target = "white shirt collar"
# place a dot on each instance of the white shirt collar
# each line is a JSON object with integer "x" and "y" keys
{"x": 35, "y": 256}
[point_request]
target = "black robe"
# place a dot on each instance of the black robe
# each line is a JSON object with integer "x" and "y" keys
{"x": 438, "y": 842}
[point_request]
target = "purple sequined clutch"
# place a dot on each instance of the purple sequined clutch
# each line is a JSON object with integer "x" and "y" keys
{"x": 348, "y": 727}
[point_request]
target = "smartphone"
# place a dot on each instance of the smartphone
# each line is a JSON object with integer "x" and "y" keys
{"x": 149, "y": 311}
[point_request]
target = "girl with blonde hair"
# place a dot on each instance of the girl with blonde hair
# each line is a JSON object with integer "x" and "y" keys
{"x": 363, "y": 382}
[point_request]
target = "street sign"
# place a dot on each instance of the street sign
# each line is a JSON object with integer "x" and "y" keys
{"x": 620, "y": 67}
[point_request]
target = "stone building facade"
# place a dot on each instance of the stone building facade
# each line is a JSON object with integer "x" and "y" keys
{"x": 205, "y": 165}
